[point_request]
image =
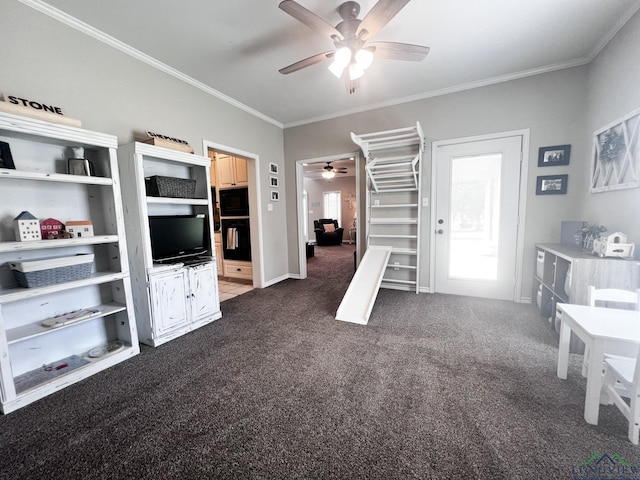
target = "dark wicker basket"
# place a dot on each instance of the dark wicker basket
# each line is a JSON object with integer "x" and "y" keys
{"x": 158, "y": 186}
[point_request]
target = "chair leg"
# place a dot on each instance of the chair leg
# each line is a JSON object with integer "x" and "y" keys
{"x": 585, "y": 361}
{"x": 634, "y": 419}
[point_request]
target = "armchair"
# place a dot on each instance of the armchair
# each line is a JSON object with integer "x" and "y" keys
{"x": 327, "y": 232}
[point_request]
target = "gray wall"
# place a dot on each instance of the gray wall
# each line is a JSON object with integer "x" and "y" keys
{"x": 614, "y": 91}
{"x": 112, "y": 92}
{"x": 553, "y": 106}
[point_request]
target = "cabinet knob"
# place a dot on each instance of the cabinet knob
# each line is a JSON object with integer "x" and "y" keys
{"x": 238, "y": 269}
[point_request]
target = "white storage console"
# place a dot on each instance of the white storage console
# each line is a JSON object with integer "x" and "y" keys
{"x": 176, "y": 296}
{"x": 74, "y": 317}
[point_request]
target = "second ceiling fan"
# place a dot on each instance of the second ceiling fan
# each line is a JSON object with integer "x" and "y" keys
{"x": 353, "y": 53}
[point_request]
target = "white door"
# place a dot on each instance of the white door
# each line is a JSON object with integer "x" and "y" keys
{"x": 477, "y": 190}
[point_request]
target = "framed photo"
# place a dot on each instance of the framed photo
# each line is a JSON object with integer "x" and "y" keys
{"x": 554, "y": 156}
{"x": 275, "y": 196}
{"x": 273, "y": 182}
{"x": 6, "y": 160}
{"x": 273, "y": 168}
{"x": 552, "y": 184}
{"x": 616, "y": 155}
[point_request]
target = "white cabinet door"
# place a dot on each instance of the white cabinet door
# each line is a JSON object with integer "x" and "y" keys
{"x": 169, "y": 303}
{"x": 204, "y": 291}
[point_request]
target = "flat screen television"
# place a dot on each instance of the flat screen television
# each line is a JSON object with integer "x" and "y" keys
{"x": 177, "y": 236}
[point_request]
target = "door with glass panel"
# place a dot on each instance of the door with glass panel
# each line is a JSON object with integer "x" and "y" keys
{"x": 477, "y": 191}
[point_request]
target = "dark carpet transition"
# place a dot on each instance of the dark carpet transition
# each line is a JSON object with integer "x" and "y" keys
{"x": 436, "y": 386}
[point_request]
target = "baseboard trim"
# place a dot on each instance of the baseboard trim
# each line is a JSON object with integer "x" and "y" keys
{"x": 277, "y": 280}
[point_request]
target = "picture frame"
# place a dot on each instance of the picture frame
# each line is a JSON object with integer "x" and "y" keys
{"x": 615, "y": 163}
{"x": 275, "y": 196}
{"x": 554, "y": 156}
{"x": 273, "y": 182}
{"x": 552, "y": 184}
{"x": 6, "y": 159}
{"x": 273, "y": 168}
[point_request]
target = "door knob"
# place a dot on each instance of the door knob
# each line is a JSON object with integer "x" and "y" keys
{"x": 440, "y": 231}
{"x": 440, "y": 221}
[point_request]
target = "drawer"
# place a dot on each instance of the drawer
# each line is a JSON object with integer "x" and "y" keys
{"x": 238, "y": 269}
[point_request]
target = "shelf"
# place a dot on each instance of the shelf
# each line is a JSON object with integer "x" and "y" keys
{"x": 394, "y": 236}
{"x": 177, "y": 201}
{"x": 62, "y": 243}
{"x": 404, "y": 251}
{"x": 397, "y": 205}
{"x": 403, "y": 282}
{"x": 87, "y": 366}
{"x": 393, "y": 221}
{"x": 35, "y": 329}
{"x": 15, "y": 294}
{"x": 404, "y": 267}
{"x": 54, "y": 177}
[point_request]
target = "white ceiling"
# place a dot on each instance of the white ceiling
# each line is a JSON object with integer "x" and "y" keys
{"x": 236, "y": 47}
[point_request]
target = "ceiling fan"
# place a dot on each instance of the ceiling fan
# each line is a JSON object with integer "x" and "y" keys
{"x": 329, "y": 171}
{"x": 353, "y": 53}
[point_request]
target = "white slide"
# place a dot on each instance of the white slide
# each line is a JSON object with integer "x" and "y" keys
{"x": 358, "y": 301}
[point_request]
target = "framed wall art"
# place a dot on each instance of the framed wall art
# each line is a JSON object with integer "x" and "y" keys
{"x": 273, "y": 182}
{"x": 615, "y": 164}
{"x": 552, "y": 184}
{"x": 6, "y": 160}
{"x": 275, "y": 196}
{"x": 554, "y": 156}
{"x": 273, "y": 168}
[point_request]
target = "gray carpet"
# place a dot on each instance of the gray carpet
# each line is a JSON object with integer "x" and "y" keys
{"x": 436, "y": 386}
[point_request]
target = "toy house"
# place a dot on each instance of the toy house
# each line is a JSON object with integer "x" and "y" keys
{"x": 50, "y": 228}
{"x": 80, "y": 228}
{"x": 26, "y": 227}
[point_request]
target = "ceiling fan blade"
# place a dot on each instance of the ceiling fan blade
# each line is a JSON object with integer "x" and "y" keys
{"x": 309, "y": 18}
{"x": 381, "y": 14}
{"x": 399, "y": 51}
{"x": 307, "y": 62}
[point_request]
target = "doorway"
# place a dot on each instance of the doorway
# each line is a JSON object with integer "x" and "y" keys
{"x": 480, "y": 186}
{"x": 252, "y": 178}
{"x": 307, "y": 202}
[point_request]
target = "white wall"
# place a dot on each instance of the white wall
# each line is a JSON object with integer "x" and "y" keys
{"x": 316, "y": 187}
{"x": 614, "y": 91}
{"x": 553, "y": 106}
{"x": 111, "y": 92}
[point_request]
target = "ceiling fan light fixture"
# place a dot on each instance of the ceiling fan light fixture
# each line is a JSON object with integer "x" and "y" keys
{"x": 355, "y": 71}
{"x": 364, "y": 58}
{"x": 336, "y": 68}
{"x": 328, "y": 174}
{"x": 341, "y": 59}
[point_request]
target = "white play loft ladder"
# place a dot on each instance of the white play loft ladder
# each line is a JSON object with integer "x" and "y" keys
{"x": 393, "y": 165}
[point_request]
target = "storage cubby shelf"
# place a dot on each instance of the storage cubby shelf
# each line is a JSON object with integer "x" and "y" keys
{"x": 15, "y": 294}
{"x": 394, "y": 221}
{"x": 54, "y": 177}
{"x": 177, "y": 201}
{"x": 62, "y": 243}
{"x": 34, "y": 329}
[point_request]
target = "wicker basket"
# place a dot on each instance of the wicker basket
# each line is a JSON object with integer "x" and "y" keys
{"x": 158, "y": 186}
{"x": 49, "y": 271}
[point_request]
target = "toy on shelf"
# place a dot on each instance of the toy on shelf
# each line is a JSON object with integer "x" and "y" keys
{"x": 80, "y": 228}
{"x": 26, "y": 227}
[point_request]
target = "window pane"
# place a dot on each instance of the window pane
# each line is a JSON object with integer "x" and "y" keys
{"x": 332, "y": 201}
{"x": 475, "y": 217}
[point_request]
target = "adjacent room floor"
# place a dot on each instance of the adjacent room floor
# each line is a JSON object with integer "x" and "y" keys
{"x": 229, "y": 289}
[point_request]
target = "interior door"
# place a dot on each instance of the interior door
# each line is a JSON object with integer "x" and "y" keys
{"x": 477, "y": 190}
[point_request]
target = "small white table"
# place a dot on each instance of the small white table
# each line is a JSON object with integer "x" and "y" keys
{"x": 594, "y": 326}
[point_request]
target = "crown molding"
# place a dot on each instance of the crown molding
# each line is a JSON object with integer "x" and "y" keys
{"x": 143, "y": 57}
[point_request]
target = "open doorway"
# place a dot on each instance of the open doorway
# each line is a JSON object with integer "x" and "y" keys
{"x": 327, "y": 188}
{"x": 236, "y": 186}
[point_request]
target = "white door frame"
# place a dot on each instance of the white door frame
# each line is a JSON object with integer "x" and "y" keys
{"x": 255, "y": 206}
{"x": 300, "y": 164}
{"x": 522, "y": 200}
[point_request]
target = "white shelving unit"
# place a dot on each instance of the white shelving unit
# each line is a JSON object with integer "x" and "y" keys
{"x": 176, "y": 298}
{"x": 36, "y": 360}
{"x": 394, "y": 159}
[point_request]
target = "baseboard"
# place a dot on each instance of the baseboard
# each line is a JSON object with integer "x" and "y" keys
{"x": 277, "y": 280}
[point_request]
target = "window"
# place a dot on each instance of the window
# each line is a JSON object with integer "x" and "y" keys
{"x": 332, "y": 201}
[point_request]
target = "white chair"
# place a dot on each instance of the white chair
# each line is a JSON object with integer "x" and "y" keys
{"x": 615, "y": 298}
{"x": 626, "y": 372}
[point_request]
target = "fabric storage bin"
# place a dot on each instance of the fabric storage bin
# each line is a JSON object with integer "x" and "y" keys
{"x": 158, "y": 186}
{"x": 49, "y": 271}
{"x": 540, "y": 264}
